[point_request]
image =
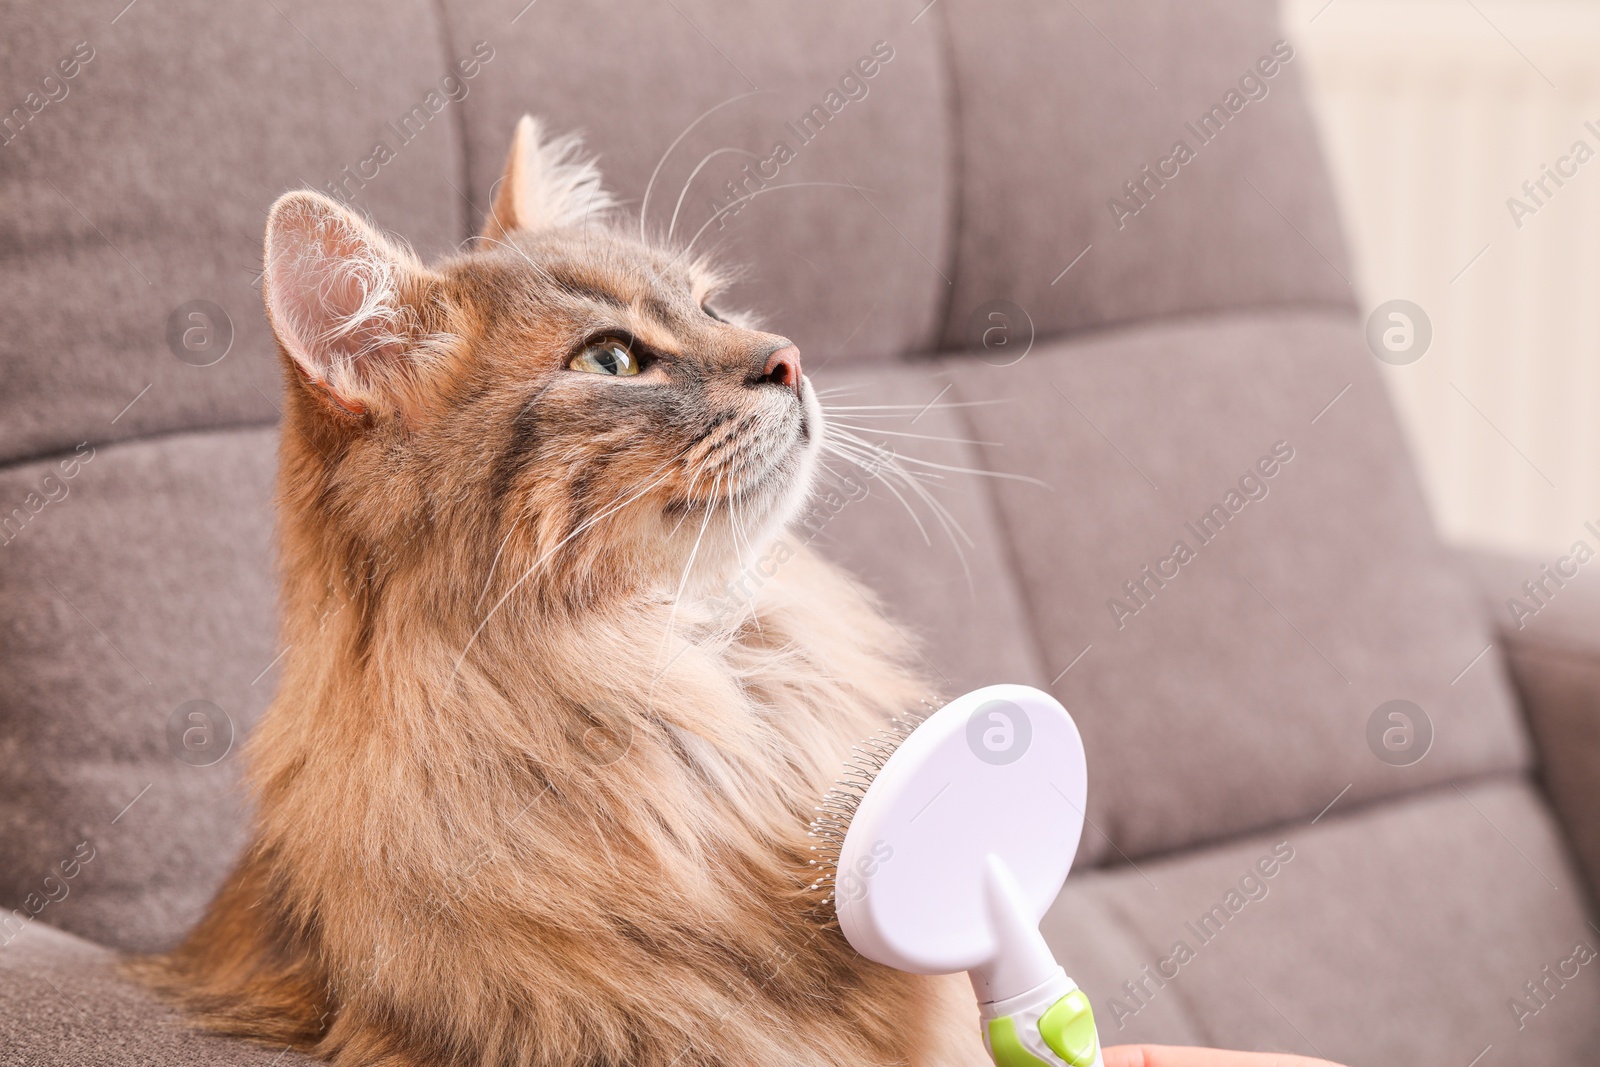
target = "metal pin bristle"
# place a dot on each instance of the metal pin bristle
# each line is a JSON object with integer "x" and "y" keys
{"x": 839, "y": 804}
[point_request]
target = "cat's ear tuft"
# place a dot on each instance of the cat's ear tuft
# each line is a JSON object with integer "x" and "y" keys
{"x": 546, "y": 183}
{"x": 343, "y": 300}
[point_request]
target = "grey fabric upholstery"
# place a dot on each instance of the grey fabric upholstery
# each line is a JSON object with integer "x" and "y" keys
{"x": 129, "y": 199}
{"x": 1268, "y": 652}
{"x": 1228, "y": 714}
{"x": 1428, "y": 879}
{"x": 149, "y": 585}
{"x": 1061, "y": 105}
{"x": 66, "y": 1003}
{"x": 1553, "y": 649}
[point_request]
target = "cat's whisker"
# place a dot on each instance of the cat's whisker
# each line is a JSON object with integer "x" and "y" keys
{"x": 688, "y": 497}
{"x": 879, "y": 463}
{"x": 918, "y": 436}
{"x": 912, "y": 407}
{"x": 975, "y": 471}
{"x": 842, "y": 413}
{"x": 755, "y": 616}
{"x": 733, "y": 529}
{"x": 543, "y": 274}
{"x": 535, "y": 565}
{"x": 873, "y": 473}
{"x": 672, "y": 225}
{"x": 688, "y": 509}
{"x": 846, "y": 435}
{"x": 948, "y": 522}
{"x": 739, "y": 201}
{"x": 683, "y": 582}
{"x": 644, "y": 201}
{"x": 494, "y": 563}
{"x": 953, "y": 530}
{"x": 839, "y": 480}
{"x": 952, "y": 527}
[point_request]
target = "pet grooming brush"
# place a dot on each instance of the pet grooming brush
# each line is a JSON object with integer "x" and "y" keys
{"x": 943, "y": 846}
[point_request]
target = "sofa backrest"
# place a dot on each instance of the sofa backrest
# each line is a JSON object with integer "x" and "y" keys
{"x": 979, "y": 159}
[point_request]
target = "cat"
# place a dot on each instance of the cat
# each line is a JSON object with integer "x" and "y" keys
{"x": 529, "y": 793}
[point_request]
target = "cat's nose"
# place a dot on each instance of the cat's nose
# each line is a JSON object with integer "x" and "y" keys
{"x": 783, "y": 368}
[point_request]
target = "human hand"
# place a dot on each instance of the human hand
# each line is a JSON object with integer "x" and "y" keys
{"x": 1171, "y": 1056}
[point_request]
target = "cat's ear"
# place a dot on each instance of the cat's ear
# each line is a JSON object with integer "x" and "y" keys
{"x": 546, "y": 183}
{"x": 344, "y": 302}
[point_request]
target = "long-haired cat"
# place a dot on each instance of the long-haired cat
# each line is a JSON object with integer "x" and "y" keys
{"x": 530, "y": 792}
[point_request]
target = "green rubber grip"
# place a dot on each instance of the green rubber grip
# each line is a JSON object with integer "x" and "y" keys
{"x": 1067, "y": 1027}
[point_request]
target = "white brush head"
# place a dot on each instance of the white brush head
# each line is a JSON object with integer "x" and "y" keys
{"x": 994, "y": 779}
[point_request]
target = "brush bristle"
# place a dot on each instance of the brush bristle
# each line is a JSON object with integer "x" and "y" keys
{"x": 839, "y": 805}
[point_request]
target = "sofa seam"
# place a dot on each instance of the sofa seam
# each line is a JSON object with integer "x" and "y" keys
{"x": 1130, "y": 929}
{"x": 1200, "y": 316}
{"x": 141, "y": 438}
{"x": 1589, "y": 654}
{"x": 458, "y": 120}
{"x": 955, "y": 215}
{"x": 1530, "y": 776}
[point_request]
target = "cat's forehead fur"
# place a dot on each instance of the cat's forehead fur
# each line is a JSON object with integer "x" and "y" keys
{"x": 598, "y": 266}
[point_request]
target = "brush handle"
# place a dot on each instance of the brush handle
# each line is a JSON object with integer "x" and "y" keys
{"x": 1033, "y": 1014}
{"x": 1050, "y": 1026}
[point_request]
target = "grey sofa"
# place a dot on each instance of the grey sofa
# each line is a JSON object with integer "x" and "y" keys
{"x": 994, "y": 227}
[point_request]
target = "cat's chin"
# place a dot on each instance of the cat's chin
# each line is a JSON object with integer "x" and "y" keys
{"x": 782, "y": 489}
{"x": 740, "y": 533}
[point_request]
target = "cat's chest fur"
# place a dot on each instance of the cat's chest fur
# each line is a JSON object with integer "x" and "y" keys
{"x": 618, "y": 806}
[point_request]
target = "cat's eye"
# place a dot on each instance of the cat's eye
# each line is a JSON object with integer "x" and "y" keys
{"x": 708, "y": 310}
{"x": 609, "y": 356}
